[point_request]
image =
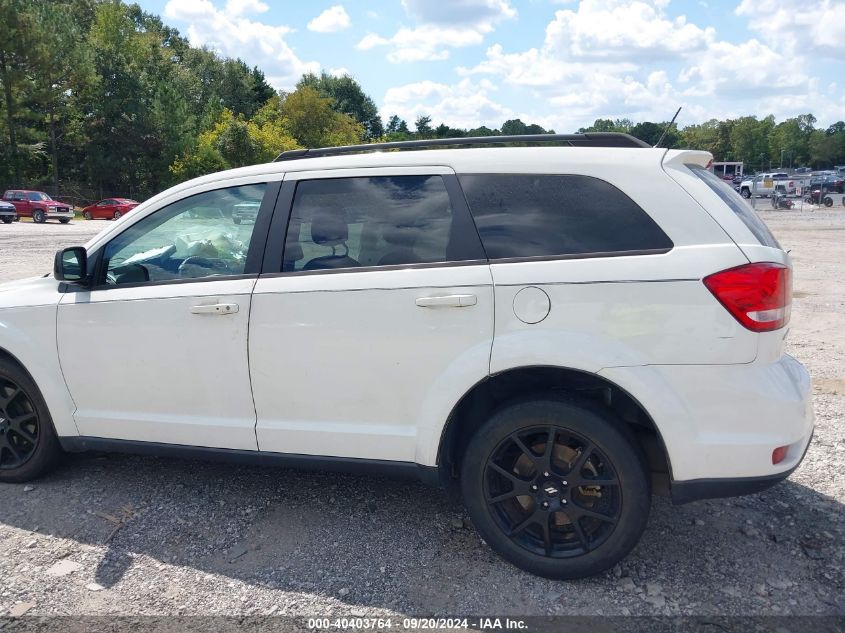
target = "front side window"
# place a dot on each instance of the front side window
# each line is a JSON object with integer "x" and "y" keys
{"x": 361, "y": 222}
{"x": 193, "y": 238}
{"x": 530, "y": 215}
{"x": 37, "y": 195}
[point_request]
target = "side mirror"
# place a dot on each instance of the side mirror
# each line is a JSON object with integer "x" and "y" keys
{"x": 71, "y": 265}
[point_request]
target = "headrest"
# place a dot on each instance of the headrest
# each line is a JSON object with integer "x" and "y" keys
{"x": 293, "y": 252}
{"x": 329, "y": 230}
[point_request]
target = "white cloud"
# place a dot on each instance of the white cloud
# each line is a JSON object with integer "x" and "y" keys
{"x": 442, "y": 26}
{"x": 464, "y": 12}
{"x": 424, "y": 43}
{"x": 805, "y": 28}
{"x": 639, "y": 30}
{"x": 466, "y": 104}
{"x": 331, "y": 20}
{"x": 630, "y": 59}
{"x": 239, "y": 7}
{"x": 231, "y": 34}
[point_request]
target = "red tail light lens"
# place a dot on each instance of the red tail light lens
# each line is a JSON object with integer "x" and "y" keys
{"x": 759, "y": 295}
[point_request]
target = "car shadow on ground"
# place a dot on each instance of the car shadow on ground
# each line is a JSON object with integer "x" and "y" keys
{"x": 403, "y": 546}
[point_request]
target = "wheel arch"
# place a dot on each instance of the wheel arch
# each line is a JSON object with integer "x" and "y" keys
{"x": 494, "y": 391}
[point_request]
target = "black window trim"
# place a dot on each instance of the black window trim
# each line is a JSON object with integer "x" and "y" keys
{"x": 551, "y": 258}
{"x": 255, "y": 250}
{"x": 463, "y": 226}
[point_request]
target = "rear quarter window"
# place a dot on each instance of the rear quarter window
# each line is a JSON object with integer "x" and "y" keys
{"x": 530, "y": 215}
{"x": 735, "y": 202}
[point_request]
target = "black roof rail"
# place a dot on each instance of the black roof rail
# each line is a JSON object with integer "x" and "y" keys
{"x": 592, "y": 139}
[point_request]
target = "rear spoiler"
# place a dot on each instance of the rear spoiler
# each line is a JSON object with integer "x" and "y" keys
{"x": 678, "y": 157}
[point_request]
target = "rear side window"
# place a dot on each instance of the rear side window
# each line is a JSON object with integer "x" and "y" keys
{"x": 731, "y": 198}
{"x": 372, "y": 221}
{"x": 522, "y": 215}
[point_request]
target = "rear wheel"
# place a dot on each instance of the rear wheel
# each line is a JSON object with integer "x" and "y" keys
{"x": 828, "y": 201}
{"x": 8, "y": 220}
{"x": 117, "y": 215}
{"x": 28, "y": 443}
{"x": 38, "y": 216}
{"x": 556, "y": 487}
{"x": 87, "y": 215}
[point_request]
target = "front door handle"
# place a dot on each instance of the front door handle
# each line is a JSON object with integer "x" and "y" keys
{"x": 215, "y": 308}
{"x": 448, "y": 301}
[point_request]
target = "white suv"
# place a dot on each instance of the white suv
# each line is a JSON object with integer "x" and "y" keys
{"x": 559, "y": 330}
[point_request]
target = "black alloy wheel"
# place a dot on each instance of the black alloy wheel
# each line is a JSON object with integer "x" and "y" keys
{"x": 19, "y": 426}
{"x": 556, "y": 486}
{"x": 28, "y": 443}
{"x": 552, "y": 491}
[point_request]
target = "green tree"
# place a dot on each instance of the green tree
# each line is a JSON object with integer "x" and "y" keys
{"x": 348, "y": 97}
{"x": 314, "y": 123}
{"x": 423, "y": 126}
{"x": 17, "y": 38}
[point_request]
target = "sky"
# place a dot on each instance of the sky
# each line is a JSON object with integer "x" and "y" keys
{"x": 561, "y": 64}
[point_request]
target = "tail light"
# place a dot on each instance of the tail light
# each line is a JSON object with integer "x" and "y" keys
{"x": 758, "y": 295}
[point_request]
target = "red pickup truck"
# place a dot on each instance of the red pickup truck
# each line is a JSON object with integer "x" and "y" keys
{"x": 38, "y": 206}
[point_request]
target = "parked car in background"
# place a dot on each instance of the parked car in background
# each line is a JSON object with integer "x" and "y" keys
{"x": 767, "y": 184}
{"x": 828, "y": 182}
{"x": 109, "y": 209}
{"x": 38, "y": 206}
{"x": 7, "y": 212}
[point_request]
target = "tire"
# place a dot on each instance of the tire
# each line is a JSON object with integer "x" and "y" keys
{"x": 28, "y": 443}
{"x": 117, "y": 215}
{"x": 746, "y": 193}
{"x": 828, "y": 201}
{"x": 87, "y": 215}
{"x": 8, "y": 220}
{"x": 38, "y": 217}
{"x": 236, "y": 220}
{"x": 507, "y": 487}
{"x": 64, "y": 220}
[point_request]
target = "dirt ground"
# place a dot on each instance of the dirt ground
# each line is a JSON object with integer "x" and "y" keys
{"x": 110, "y": 534}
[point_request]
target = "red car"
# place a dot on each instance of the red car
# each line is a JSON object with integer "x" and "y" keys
{"x": 109, "y": 209}
{"x": 38, "y": 206}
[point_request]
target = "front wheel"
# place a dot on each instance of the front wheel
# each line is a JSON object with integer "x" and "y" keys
{"x": 117, "y": 215}
{"x": 28, "y": 443}
{"x": 38, "y": 217}
{"x": 556, "y": 487}
{"x": 64, "y": 220}
{"x": 746, "y": 193}
{"x": 828, "y": 201}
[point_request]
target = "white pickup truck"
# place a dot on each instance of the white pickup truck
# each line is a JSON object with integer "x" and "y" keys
{"x": 766, "y": 184}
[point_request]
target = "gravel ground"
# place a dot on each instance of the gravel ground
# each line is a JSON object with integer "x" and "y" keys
{"x": 110, "y": 534}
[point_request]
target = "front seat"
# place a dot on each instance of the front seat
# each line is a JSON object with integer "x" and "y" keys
{"x": 330, "y": 230}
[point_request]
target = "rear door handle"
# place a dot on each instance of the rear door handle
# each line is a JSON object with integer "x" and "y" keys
{"x": 448, "y": 301}
{"x": 215, "y": 308}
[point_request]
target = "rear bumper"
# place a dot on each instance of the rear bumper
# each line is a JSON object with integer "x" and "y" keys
{"x": 720, "y": 423}
{"x": 697, "y": 489}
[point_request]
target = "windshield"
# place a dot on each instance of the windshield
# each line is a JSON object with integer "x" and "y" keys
{"x": 38, "y": 195}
